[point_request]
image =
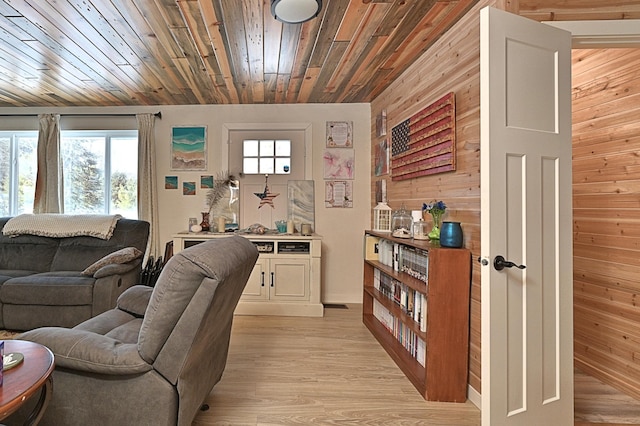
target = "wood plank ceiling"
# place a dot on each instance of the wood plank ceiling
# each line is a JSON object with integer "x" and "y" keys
{"x": 179, "y": 52}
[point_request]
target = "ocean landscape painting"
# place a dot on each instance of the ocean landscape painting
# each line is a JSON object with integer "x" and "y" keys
{"x": 189, "y": 148}
{"x": 171, "y": 182}
{"x": 188, "y": 188}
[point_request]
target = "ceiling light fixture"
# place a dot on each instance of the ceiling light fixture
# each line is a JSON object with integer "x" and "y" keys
{"x": 295, "y": 11}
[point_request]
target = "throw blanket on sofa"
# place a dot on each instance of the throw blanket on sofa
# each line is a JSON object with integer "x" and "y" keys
{"x": 60, "y": 225}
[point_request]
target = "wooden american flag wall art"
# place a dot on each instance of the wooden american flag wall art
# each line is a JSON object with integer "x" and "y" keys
{"x": 425, "y": 144}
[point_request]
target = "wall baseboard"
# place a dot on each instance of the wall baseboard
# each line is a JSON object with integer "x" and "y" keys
{"x": 475, "y": 397}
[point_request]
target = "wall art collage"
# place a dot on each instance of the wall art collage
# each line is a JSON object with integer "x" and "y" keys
{"x": 339, "y": 164}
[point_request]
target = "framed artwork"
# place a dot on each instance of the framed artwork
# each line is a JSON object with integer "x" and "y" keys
{"x": 339, "y": 163}
{"x": 425, "y": 143}
{"x": 381, "y": 123}
{"x": 338, "y": 193}
{"x": 301, "y": 202}
{"x": 339, "y": 134}
{"x": 171, "y": 182}
{"x": 188, "y": 188}
{"x": 206, "y": 182}
{"x": 381, "y": 154}
{"x": 189, "y": 148}
{"x": 381, "y": 191}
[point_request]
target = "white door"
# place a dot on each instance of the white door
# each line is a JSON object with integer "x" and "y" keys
{"x": 527, "y": 325}
{"x": 251, "y": 209}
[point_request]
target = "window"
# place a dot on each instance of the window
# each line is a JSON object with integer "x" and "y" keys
{"x": 18, "y": 168}
{"x": 256, "y": 151}
{"x": 100, "y": 172}
{"x": 266, "y": 157}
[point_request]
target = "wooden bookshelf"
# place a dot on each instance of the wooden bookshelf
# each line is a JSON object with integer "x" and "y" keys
{"x": 446, "y": 335}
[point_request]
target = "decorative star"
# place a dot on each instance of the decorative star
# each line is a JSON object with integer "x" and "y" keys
{"x": 266, "y": 197}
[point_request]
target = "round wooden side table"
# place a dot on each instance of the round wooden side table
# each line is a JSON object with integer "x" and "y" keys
{"x": 24, "y": 380}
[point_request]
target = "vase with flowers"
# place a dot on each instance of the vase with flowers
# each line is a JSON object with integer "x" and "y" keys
{"x": 436, "y": 209}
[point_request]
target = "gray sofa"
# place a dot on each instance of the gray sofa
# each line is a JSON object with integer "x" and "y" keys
{"x": 154, "y": 358}
{"x": 41, "y": 279}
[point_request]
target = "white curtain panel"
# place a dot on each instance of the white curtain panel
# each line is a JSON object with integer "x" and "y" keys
{"x": 49, "y": 187}
{"x": 147, "y": 183}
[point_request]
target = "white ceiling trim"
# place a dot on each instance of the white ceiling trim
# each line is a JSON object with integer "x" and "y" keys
{"x": 601, "y": 34}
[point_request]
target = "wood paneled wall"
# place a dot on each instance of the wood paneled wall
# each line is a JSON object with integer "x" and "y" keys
{"x": 575, "y": 10}
{"x": 606, "y": 209}
{"x": 606, "y": 194}
{"x": 452, "y": 64}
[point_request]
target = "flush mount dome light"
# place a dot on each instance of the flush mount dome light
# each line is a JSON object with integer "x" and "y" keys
{"x": 295, "y": 11}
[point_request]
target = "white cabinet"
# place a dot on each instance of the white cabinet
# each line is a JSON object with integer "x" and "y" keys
{"x": 257, "y": 285}
{"x": 282, "y": 278}
{"x": 286, "y": 278}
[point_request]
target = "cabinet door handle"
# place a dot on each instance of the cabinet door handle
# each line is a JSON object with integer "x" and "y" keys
{"x": 272, "y": 279}
{"x": 262, "y": 279}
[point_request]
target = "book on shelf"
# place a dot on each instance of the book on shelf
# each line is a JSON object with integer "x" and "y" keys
{"x": 402, "y": 258}
{"x": 385, "y": 252}
{"x": 397, "y": 257}
{"x": 409, "y": 340}
{"x": 422, "y": 320}
{"x": 372, "y": 247}
{"x": 411, "y": 301}
{"x": 383, "y": 315}
{"x": 421, "y": 352}
{"x": 415, "y": 262}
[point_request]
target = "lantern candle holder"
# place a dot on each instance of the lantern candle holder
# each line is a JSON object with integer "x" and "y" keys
{"x": 382, "y": 217}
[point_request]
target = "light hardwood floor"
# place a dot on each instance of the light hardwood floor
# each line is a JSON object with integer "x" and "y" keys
{"x": 598, "y": 404}
{"x": 324, "y": 371}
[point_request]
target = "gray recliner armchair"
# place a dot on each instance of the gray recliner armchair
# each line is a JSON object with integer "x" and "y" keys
{"x": 154, "y": 358}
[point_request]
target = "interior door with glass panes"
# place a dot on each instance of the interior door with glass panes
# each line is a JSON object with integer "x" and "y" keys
{"x": 264, "y": 161}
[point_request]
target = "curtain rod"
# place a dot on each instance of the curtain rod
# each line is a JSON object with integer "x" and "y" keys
{"x": 157, "y": 114}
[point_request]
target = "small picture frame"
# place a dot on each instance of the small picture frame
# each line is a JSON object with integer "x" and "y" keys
{"x": 339, "y": 134}
{"x": 206, "y": 182}
{"x": 339, "y": 163}
{"x": 338, "y": 194}
{"x": 381, "y": 157}
{"x": 381, "y": 124}
{"x": 171, "y": 182}
{"x": 188, "y": 188}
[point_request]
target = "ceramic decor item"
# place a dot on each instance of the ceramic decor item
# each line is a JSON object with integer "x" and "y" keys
{"x": 451, "y": 235}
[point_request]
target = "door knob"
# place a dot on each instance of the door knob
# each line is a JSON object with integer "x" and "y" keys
{"x": 499, "y": 263}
